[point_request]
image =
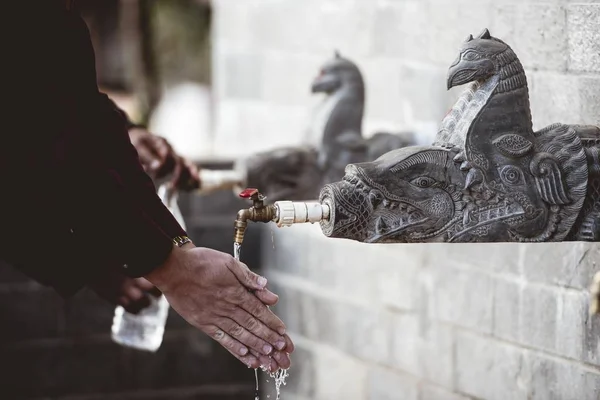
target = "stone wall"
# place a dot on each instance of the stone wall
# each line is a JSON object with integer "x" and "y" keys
{"x": 266, "y": 53}
{"x": 435, "y": 321}
{"x": 426, "y": 322}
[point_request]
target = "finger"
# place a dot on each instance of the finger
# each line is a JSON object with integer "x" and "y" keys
{"x": 143, "y": 284}
{"x": 289, "y": 345}
{"x": 267, "y": 297}
{"x": 243, "y": 336}
{"x": 283, "y": 359}
{"x": 260, "y": 311}
{"x": 161, "y": 147}
{"x": 190, "y": 176}
{"x": 265, "y": 361}
{"x": 147, "y": 158}
{"x": 240, "y": 351}
{"x": 245, "y": 276}
{"x": 138, "y": 305}
{"x": 133, "y": 292}
{"x": 258, "y": 328}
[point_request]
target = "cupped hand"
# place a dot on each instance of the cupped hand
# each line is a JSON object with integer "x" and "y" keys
{"x": 160, "y": 160}
{"x": 222, "y": 297}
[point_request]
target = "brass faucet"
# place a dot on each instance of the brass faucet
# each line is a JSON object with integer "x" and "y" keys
{"x": 259, "y": 212}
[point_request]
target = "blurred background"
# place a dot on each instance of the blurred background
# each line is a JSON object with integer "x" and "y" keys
{"x": 222, "y": 79}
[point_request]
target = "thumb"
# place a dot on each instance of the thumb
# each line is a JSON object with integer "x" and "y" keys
{"x": 247, "y": 277}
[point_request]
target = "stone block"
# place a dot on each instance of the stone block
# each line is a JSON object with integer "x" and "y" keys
{"x": 570, "y": 264}
{"x": 398, "y": 30}
{"x": 554, "y": 98}
{"x": 338, "y": 376}
{"x": 506, "y": 311}
{"x": 584, "y": 37}
{"x": 244, "y": 75}
{"x": 30, "y": 314}
{"x": 462, "y": 297}
{"x": 487, "y": 257}
{"x": 288, "y": 77}
{"x": 288, "y": 308}
{"x": 245, "y": 127}
{"x": 284, "y": 251}
{"x": 591, "y": 340}
{"x": 437, "y": 353}
{"x": 396, "y": 271}
{"x": 386, "y": 384}
{"x": 534, "y": 31}
{"x": 557, "y": 380}
{"x": 406, "y": 344}
{"x": 370, "y": 334}
{"x": 589, "y": 92}
{"x": 468, "y": 18}
{"x": 312, "y": 25}
{"x": 428, "y": 392}
{"x": 538, "y": 317}
{"x": 573, "y": 312}
{"x": 490, "y": 370}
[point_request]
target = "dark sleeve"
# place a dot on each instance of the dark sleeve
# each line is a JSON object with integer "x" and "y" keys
{"x": 143, "y": 227}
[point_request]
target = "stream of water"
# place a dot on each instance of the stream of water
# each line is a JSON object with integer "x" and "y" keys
{"x": 280, "y": 375}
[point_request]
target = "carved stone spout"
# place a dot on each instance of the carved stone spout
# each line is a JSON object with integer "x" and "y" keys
{"x": 489, "y": 177}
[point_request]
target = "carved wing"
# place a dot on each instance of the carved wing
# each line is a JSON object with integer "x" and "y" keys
{"x": 561, "y": 172}
{"x": 549, "y": 179}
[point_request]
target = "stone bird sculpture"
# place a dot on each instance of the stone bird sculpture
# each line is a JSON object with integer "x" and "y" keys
{"x": 336, "y": 128}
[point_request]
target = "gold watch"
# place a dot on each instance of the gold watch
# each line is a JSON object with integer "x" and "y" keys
{"x": 179, "y": 241}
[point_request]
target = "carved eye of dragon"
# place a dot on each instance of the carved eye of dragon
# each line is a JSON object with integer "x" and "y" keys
{"x": 511, "y": 175}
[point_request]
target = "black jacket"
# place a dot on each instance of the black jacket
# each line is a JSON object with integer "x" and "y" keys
{"x": 75, "y": 200}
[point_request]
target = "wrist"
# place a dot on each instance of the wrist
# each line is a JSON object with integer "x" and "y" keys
{"x": 162, "y": 276}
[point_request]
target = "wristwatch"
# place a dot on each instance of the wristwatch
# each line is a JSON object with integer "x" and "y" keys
{"x": 179, "y": 241}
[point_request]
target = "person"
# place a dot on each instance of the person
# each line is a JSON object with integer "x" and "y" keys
{"x": 79, "y": 203}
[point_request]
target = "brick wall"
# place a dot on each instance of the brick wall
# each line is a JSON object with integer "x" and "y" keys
{"x": 426, "y": 322}
{"x": 52, "y": 349}
{"x": 436, "y": 322}
{"x": 266, "y": 53}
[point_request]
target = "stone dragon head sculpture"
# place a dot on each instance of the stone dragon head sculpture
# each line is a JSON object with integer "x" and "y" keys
{"x": 488, "y": 177}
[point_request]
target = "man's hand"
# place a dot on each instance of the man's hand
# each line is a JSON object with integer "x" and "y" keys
{"x": 160, "y": 160}
{"x": 118, "y": 289}
{"x": 222, "y": 297}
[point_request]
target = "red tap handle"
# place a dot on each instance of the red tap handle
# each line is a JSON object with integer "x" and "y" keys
{"x": 249, "y": 193}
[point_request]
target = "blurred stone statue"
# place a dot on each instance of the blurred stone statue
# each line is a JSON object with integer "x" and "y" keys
{"x": 299, "y": 172}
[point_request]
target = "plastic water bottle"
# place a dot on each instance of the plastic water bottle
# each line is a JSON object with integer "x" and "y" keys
{"x": 145, "y": 330}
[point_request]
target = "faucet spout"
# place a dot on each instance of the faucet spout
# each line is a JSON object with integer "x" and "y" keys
{"x": 259, "y": 212}
{"x": 283, "y": 213}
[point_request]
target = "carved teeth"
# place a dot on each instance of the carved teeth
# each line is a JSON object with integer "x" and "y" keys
{"x": 393, "y": 206}
{"x": 381, "y": 226}
{"x": 465, "y": 166}
{"x": 386, "y": 203}
{"x": 375, "y": 198}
